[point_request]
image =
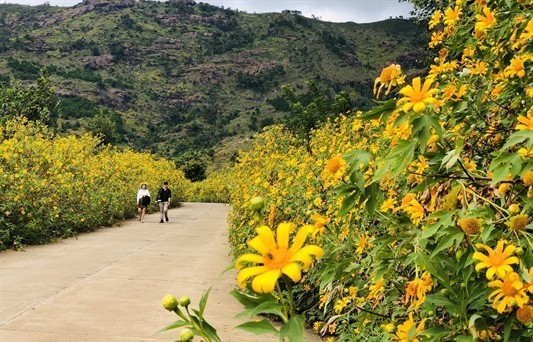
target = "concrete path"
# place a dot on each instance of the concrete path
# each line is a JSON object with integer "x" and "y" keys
{"x": 107, "y": 285}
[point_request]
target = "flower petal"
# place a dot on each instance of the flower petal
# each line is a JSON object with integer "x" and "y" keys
{"x": 305, "y": 255}
{"x": 258, "y": 244}
{"x": 293, "y": 271}
{"x": 248, "y": 258}
{"x": 247, "y": 273}
{"x": 300, "y": 237}
{"x": 265, "y": 282}
{"x": 267, "y": 236}
{"x": 282, "y": 234}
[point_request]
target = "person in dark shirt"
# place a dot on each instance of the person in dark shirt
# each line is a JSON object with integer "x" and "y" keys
{"x": 163, "y": 198}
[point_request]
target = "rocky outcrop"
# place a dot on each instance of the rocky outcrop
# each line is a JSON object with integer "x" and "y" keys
{"x": 97, "y": 62}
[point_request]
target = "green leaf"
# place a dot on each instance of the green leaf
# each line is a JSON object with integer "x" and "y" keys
{"x": 373, "y": 197}
{"x": 347, "y": 204}
{"x": 505, "y": 163}
{"x": 439, "y": 300}
{"x": 270, "y": 307}
{"x": 396, "y": 160}
{"x": 203, "y": 302}
{"x": 251, "y": 301}
{"x": 211, "y": 332}
{"x": 294, "y": 329}
{"x": 464, "y": 338}
{"x": 259, "y": 327}
{"x": 451, "y": 158}
{"x": 175, "y": 325}
{"x": 448, "y": 241}
{"x": 383, "y": 109}
{"x": 517, "y": 138}
{"x": 445, "y": 219}
{"x": 422, "y": 129}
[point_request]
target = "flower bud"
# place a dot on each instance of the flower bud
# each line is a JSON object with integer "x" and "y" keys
{"x": 184, "y": 301}
{"x": 186, "y": 335}
{"x": 169, "y": 302}
{"x": 257, "y": 203}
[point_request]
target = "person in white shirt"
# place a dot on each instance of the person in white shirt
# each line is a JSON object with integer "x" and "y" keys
{"x": 143, "y": 200}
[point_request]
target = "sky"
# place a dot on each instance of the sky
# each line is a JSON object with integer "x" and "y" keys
{"x": 359, "y": 11}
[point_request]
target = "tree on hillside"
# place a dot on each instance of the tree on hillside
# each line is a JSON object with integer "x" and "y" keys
{"x": 102, "y": 126}
{"x": 37, "y": 102}
{"x": 308, "y": 111}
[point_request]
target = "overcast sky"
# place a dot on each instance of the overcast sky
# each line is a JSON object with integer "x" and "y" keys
{"x": 359, "y": 11}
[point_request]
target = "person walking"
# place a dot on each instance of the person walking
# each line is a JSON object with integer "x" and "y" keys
{"x": 163, "y": 198}
{"x": 143, "y": 200}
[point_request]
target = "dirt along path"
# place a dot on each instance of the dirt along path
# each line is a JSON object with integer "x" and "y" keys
{"x": 107, "y": 286}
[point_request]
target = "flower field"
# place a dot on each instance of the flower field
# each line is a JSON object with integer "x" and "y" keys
{"x": 53, "y": 187}
{"x": 422, "y": 205}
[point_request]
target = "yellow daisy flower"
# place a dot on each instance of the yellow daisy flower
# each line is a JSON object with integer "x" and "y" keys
{"x": 417, "y": 95}
{"x": 451, "y": 16}
{"x": 276, "y": 257}
{"x": 526, "y": 122}
{"x": 485, "y": 21}
{"x": 510, "y": 291}
{"x": 408, "y": 331}
{"x": 390, "y": 76}
{"x": 498, "y": 261}
{"x": 516, "y": 68}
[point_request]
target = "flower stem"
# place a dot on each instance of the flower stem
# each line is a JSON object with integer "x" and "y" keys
{"x": 283, "y": 305}
{"x": 291, "y": 300}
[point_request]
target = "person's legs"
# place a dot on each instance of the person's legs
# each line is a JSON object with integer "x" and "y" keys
{"x": 143, "y": 212}
{"x": 166, "y": 211}
{"x": 162, "y": 211}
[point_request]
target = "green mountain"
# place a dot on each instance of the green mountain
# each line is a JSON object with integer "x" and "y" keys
{"x": 181, "y": 76}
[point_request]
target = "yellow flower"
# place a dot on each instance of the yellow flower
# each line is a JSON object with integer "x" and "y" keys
{"x": 408, "y": 331}
{"x": 335, "y": 165}
{"x": 524, "y": 314}
{"x": 526, "y": 123}
{"x": 470, "y": 225}
{"x": 518, "y": 222}
{"x": 276, "y": 257}
{"x": 528, "y": 178}
{"x": 416, "y": 96}
{"x": 390, "y": 76}
{"x": 529, "y": 285}
{"x": 485, "y": 21}
{"x": 340, "y": 305}
{"x": 389, "y": 327}
{"x": 376, "y": 289}
{"x": 498, "y": 261}
{"x": 387, "y": 205}
{"x": 362, "y": 243}
{"x": 528, "y": 32}
{"x": 411, "y": 206}
{"x": 451, "y": 15}
{"x": 510, "y": 291}
{"x": 320, "y": 223}
{"x": 516, "y": 68}
{"x": 435, "y": 19}
{"x": 415, "y": 292}
{"x": 525, "y": 153}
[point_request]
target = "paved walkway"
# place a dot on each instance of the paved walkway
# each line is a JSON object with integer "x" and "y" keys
{"x": 107, "y": 285}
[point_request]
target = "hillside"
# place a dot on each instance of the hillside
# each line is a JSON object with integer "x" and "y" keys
{"x": 182, "y": 76}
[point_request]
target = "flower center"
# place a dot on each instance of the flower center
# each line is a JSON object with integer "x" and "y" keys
{"x": 418, "y": 97}
{"x": 277, "y": 258}
{"x": 508, "y": 289}
{"x": 496, "y": 260}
